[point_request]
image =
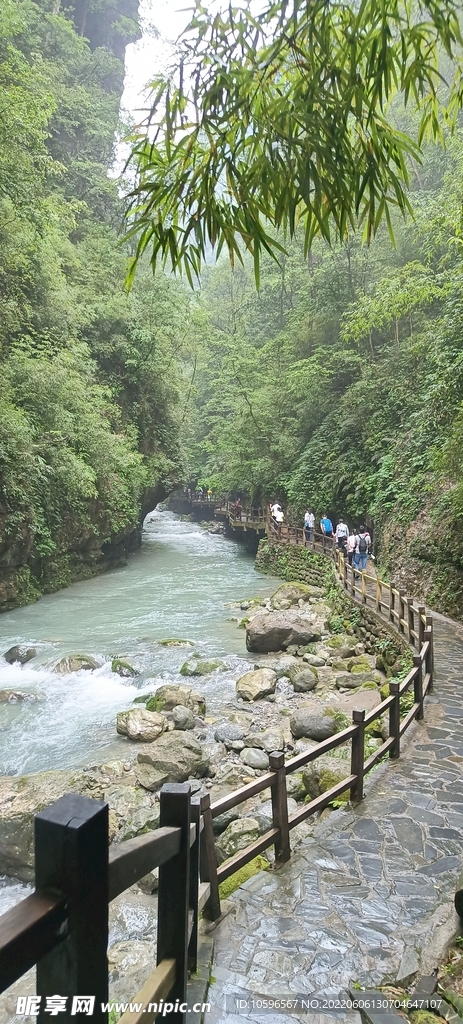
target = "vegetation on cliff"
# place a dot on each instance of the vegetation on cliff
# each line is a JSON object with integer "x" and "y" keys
{"x": 89, "y": 401}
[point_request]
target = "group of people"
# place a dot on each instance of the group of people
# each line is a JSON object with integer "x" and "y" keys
{"x": 200, "y": 494}
{"x": 355, "y": 544}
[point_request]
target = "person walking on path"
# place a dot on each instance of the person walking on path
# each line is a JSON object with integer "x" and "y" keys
{"x": 326, "y": 526}
{"x": 238, "y": 508}
{"x": 342, "y": 533}
{"x": 350, "y": 546}
{"x": 309, "y": 523}
{"x": 362, "y": 549}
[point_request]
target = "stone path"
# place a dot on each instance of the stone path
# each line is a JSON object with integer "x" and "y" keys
{"x": 369, "y": 895}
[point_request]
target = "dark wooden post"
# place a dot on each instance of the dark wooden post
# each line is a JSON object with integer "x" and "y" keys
{"x": 71, "y": 855}
{"x": 394, "y": 719}
{"x": 401, "y": 627}
{"x": 422, "y": 615}
{"x": 418, "y": 684}
{"x": 280, "y": 808}
{"x": 391, "y": 603}
{"x": 430, "y": 658}
{"x": 208, "y": 861}
{"x": 357, "y": 755}
{"x": 410, "y": 621}
{"x": 194, "y": 883}
{"x": 173, "y": 893}
{"x": 344, "y": 573}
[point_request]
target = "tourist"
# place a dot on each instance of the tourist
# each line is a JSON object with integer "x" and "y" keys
{"x": 209, "y": 494}
{"x": 326, "y": 526}
{"x": 342, "y": 533}
{"x": 350, "y": 546}
{"x": 274, "y": 509}
{"x": 362, "y": 549}
{"x": 309, "y": 523}
{"x": 238, "y": 508}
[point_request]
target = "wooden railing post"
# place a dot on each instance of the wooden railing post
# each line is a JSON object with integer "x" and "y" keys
{"x": 418, "y": 684}
{"x": 173, "y": 893}
{"x": 71, "y": 855}
{"x": 422, "y": 615}
{"x": 364, "y": 589}
{"x": 430, "y": 657}
{"x": 391, "y": 603}
{"x": 378, "y": 595}
{"x": 401, "y": 627}
{"x": 394, "y": 720}
{"x": 344, "y": 573}
{"x": 410, "y": 619}
{"x": 280, "y": 808}
{"x": 208, "y": 861}
{"x": 357, "y": 756}
{"x": 194, "y": 883}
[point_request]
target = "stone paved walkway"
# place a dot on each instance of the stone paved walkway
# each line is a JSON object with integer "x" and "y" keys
{"x": 369, "y": 896}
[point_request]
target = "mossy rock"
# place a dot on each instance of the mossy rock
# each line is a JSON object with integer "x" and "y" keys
{"x": 202, "y": 667}
{"x": 232, "y": 883}
{"x": 243, "y": 623}
{"x": 384, "y": 691}
{"x": 340, "y": 666}
{"x": 423, "y": 1017}
{"x": 173, "y": 641}
{"x": 75, "y": 663}
{"x": 328, "y": 779}
{"x": 123, "y": 668}
{"x": 336, "y": 641}
{"x": 341, "y": 720}
{"x": 142, "y": 699}
{"x": 369, "y": 685}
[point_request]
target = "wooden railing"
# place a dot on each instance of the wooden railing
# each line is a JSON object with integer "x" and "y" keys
{"x": 63, "y": 926}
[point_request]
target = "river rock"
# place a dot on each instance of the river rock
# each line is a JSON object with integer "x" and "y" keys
{"x": 150, "y": 778}
{"x": 315, "y": 727}
{"x": 222, "y": 821}
{"x": 169, "y": 696}
{"x": 292, "y": 592}
{"x": 183, "y": 718}
{"x": 257, "y": 684}
{"x": 254, "y": 757}
{"x": 140, "y": 725}
{"x": 124, "y": 668}
{"x": 315, "y": 660}
{"x": 135, "y": 809}
{"x": 202, "y": 667}
{"x": 237, "y": 836}
{"x": 280, "y": 665}
{"x": 279, "y": 630}
{"x": 20, "y": 653}
{"x": 76, "y": 662}
{"x": 129, "y": 957}
{"x": 321, "y": 775}
{"x": 16, "y": 696}
{"x": 269, "y": 740}
{"x": 173, "y": 641}
{"x": 229, "y": 733}
{"x": 179, "y": 755}
{"x": 350, "y": 680}
{"x": 303, "y": 677}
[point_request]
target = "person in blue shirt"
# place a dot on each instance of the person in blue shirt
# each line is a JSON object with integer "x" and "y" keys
{"x": 326, "y": 526}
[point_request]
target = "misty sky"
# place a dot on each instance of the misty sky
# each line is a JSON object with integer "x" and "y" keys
{"x": 150, "y": 55}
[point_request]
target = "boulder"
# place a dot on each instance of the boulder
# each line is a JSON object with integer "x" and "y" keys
{"x": 280, "y": 665}
{"x": 140, "y": 725}
{"x": 229, "y": 733}
{"x": 177, "y": 754}
{"x": 183, "y": 718}
{"x": 254, "y": 758}
{"x": 135, "y": 809}
{"x": 257, "y": 684}
{"x": 202, "y": 667}
{"x": 269, "y": 740}
{"x": 237, "y": 836}
{"x": 76, "y": 662}
{"x": 291, "y": 592}
{"x": 124, "y": 668}
{"x": 150, "y": 778}
{"x": 279, "y": 630}
{"x": 167, "y": 697}
{"x": 324, "y": 773}
{"x": 315, "y": 727}
{"x": 20, "y": 653}
{"x": 21, "y": 797}
{"x": 304, "y": 681}
{"x": 350, "y": 680}
{"x": 314, "y": 659}
{"x": 222, "y": 821}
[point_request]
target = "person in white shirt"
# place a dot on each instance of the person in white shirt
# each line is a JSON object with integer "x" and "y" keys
{"x": 341, "y": 535}
{"x": 350, "y": 546}
{"x": 309, "y": 523}
{"x": 279, "y": 514}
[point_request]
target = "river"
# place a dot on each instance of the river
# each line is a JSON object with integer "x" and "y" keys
{"x": 177, "y": 585}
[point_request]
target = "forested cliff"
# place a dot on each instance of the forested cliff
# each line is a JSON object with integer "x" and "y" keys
{"x": 340, "y": 383}
{"x": 89, "y": 397}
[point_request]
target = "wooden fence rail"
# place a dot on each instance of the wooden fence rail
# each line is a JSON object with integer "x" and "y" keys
{"x": 63, "y": 926}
